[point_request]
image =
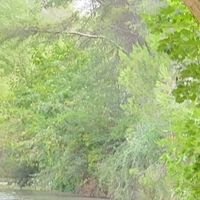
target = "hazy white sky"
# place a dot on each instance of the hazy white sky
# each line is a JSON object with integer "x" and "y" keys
{"x": 83, "y": 6}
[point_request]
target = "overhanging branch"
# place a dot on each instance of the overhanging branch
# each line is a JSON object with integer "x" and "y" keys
{"x": 97, "y": 37}
{"x": 89, "y": 36}
{"x": 26, "y": 32}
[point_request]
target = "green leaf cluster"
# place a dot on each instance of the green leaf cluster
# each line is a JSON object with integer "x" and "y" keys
{"x": 89, "y": 115}
{"x": 179, "y": 34}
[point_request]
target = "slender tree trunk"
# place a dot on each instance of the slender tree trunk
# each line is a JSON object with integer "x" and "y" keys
{"x": 194, "y": 6}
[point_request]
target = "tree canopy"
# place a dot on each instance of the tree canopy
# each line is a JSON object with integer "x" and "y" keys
{"x": 104, "y": 104}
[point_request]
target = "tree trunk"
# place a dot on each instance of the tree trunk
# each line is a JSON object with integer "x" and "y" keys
{"x": 194, "y": 6}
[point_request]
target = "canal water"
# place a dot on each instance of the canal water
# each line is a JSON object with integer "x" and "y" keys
{"x": 8, "y": 194}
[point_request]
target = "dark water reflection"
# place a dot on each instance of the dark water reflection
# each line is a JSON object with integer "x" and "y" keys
{"x": 7, "y": 194}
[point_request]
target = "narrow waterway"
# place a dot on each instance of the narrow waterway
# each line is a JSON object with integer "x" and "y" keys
{"x": 8, "y": 194}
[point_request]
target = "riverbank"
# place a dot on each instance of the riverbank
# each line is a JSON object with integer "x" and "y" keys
{"x": 28, "y": 190}
{"x": 17, "y": 194}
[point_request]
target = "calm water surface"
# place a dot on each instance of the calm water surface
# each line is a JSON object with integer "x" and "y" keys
{"x": 7, "y": 194}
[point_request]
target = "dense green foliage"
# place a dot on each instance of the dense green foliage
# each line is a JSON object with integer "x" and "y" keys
{"x": 181, "y": 42}
{"x": 86, "y": 100}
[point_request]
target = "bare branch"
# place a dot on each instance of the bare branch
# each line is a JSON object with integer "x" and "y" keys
{"x": 97, "y": 37}
{"x": 22, "y": 32}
